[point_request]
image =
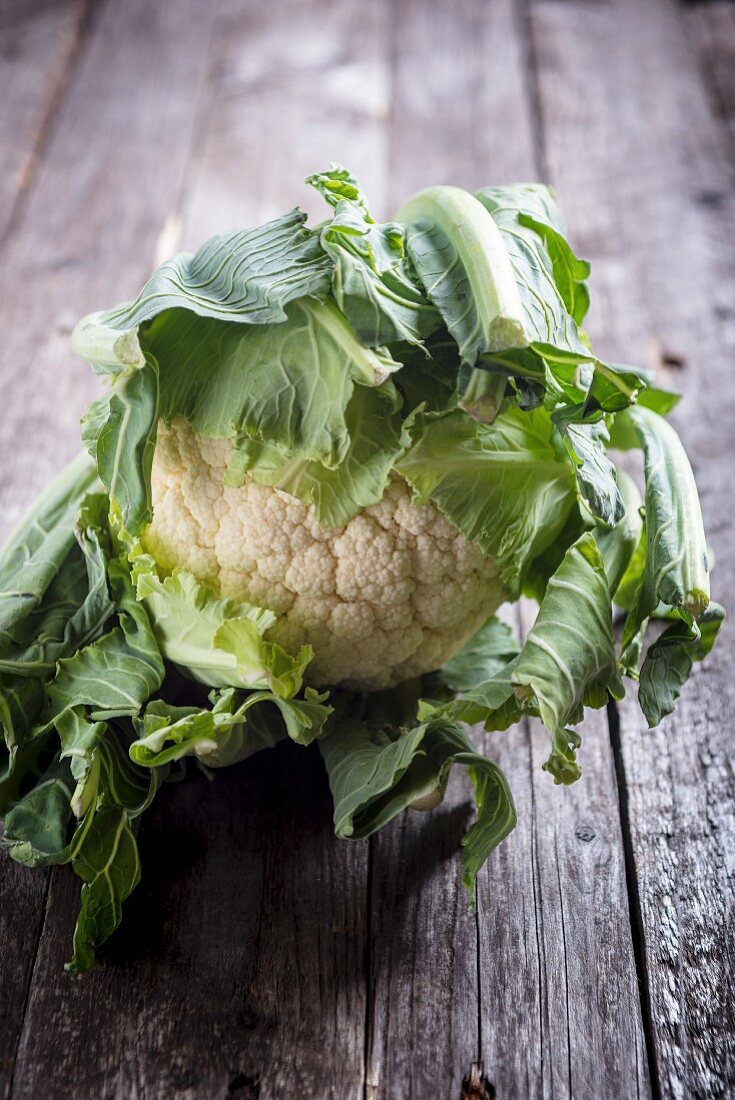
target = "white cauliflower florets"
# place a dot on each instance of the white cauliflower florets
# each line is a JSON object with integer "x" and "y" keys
{"x": 392, "y": 594}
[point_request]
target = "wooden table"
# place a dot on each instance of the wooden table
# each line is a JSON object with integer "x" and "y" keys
{"x": 260, "y": 957}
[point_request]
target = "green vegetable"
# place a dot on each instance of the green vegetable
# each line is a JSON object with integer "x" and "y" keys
{"x": 325, "y": 458}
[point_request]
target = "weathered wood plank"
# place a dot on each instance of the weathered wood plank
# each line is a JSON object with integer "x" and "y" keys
{"x": 713, "y": 29}
{"x": 566, "y": 914}
{"x": 425, "y": 1033}
{"x": 38, "y": 47}
{"x": 551, "y": 1020}
{"x": 283, "y": 106}
{"x": 77, "y": 205}
{"x": 267, "y": 927}
{"x": 109, "y": 175}
{"x": 289, "y": 91}
{"x": 37, "y": 51}
{"x": 640, "y": 163}
{"x": 240, "y": 950}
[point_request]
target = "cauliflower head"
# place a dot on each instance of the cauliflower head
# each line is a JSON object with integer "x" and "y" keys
{"x": 393, "y": 593}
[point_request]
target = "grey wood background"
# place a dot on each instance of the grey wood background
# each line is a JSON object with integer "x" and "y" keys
{"x": 260, "y": 957}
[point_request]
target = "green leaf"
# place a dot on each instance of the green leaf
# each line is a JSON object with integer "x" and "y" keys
{"x": 374, "y": 777}
{"x": 54, "y": 599}
{"x": 235, "y": 728}
{"x": 659, "y": 400}
{"x": 669, "y": 661}
{"x": 22, "y": 699}
{"x": 109, "y": 865}
{"x": 462, "y": 263}
{"x": 486, "y": 653}
{"x": 119, "y": 431}
{"x": 613, "y": 388}
{"x": 116, "y": 674}
{"x": 286, "y": 384}
{"x": 37, "y": 830}
{"x": 549, "y": 277}
{"x": 377, "y": 438}
{"x": 53, "y": 594}
{"x": 505, "y": 485}
{"x": 371, "y": 281}
{"x": 551, "y": 285}
{"x": 122, "y": 781}
{"x": 596, "y": 474}
{"x": 247, "y": 276}
{"x": 569, "y": 660}
{"x": 676, "y": 571}
{"x": 620, "y": 544}
{"x": 217, "y": 641}
{"x": 237, "y": 283}
{"x": 677, "y": 547}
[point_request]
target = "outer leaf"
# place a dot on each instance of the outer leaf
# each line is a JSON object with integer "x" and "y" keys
{"x": 551, "y": 292}
{"x": 619, "y": 545}
{"x": 246, "y": 276}
{"x": 51, "y": 598}
{"x": 287, "y": 384}
{"x": 243, "y": 279}
{"x": 550, "y": 281}
{"x": 596, "y": 474}
{"x": 217, "y": 641}
{"x": 109, "y": 864}
{"x": 463, "y": 265}
{"x": 677, "y": 571}
{"x": 235, "y": 728}
{"x": 567, "y": 662}
{"x": 121, "y": 670}
{"x": 569, "y": 657}
{"x": 22, "y": 700}
{"x": 373, "y": 778}
{"x": 669, "y": 661}
{"x": 119, "y": 431}
{"x": 486, "y": 653}
{"x": 505, "y": 485}
{"x": 38, "y": 829}
{"x": 377, "y": 439}
{"x": 371, "y": 281}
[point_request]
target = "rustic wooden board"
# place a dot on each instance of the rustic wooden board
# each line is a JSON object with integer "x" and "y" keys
{"x": 38, "y": 48}
{"x": 651, "y": 187}
{"x": 240, "y": 952}
{"x": 551, "y": 1004}
{"x": 260, "y": 957}
{"x": 78, "y": 205}
{"x": 291, "y": 1011}
{"x": 713, "y": 29}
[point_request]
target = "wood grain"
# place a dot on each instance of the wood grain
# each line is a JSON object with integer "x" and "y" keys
{"x": 38, "y": 47}
{"x": 78, "y": 205}
{"x": 651, "y": 189}
{"x": 84, "y": 236}
{"x": 552, "y": 907}
{"x": 712, "y": 27}
{"x": 269, "y": 925}
{"x": 239, "y": 950}
{"x": 37, "y": 53}
{"x": 260, "y": 957}
{"x": 424, "y": 973}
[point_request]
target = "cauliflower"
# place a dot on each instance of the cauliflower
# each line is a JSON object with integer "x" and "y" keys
{"x": 393, "y": 593}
